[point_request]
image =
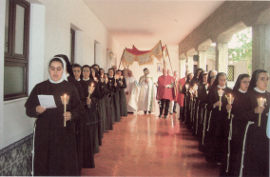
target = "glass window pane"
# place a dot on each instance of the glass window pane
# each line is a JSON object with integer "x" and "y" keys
{"x": 6, "y": 26}
{"x": 19, "y": 29}
{"x": 13, "y": 79}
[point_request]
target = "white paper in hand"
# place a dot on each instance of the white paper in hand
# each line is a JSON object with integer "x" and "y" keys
{"x": 47, "y": 101}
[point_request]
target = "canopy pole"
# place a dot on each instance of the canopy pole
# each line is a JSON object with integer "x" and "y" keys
{"x": 169, "y": 58}
{"x": 121, "y": 58}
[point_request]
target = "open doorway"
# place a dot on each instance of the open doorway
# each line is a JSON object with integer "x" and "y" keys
{"x": 240, "y": 54}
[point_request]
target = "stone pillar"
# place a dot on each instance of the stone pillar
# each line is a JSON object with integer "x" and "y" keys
{"x": 2, "y": 58}
{"x": 182, "y": 64}
{"x": 202, "y": 59}
{"x": 222, "y": 57}
{"x": 261, "y": 47}
{"x": 190, "y": 64}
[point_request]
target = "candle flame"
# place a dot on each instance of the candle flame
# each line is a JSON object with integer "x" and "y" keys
{"x": 261, "y": 101}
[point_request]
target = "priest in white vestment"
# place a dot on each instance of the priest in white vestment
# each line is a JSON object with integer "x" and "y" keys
{"x": 131, "y": 91}
{"x": 146, "y": 100}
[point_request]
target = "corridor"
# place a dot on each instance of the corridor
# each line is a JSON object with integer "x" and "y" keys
{"x": 147, "y": 146}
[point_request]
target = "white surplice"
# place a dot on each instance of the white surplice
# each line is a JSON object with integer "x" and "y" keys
{"x": 131, "y": 95}
{"x": 146, "y": 94}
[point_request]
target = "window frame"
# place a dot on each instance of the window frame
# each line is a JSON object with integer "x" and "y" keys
{"x": 233, "y": 72}
{"x": 72, "y": 45}
{"x": 12, "y": 58}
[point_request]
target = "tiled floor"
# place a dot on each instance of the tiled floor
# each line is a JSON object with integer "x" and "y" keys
{"x": 147, "y": 146}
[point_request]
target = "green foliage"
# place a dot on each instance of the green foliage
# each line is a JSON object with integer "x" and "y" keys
{"x": 244, "y": 50}
{"x": 242, "y": 47}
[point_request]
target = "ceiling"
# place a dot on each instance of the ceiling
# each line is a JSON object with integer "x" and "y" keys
{"x": 145, "y": 22}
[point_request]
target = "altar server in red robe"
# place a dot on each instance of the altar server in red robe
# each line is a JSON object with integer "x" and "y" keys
{"x": 165, "y": 92}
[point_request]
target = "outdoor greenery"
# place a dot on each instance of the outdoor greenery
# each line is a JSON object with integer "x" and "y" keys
{"x": 240, "y": 47}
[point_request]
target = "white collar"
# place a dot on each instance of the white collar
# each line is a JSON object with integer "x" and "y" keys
{"x": 258, "y": 90}
{"x": 86, "y": 79}
{"x": 221, "y": 87}
{"x": 79, "y": 79}
{"x": 64, "y": 75}
{"x": 242, "y": 91}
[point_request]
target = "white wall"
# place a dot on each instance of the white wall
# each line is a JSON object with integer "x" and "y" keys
{"x": 50, "y": 24}
{"x": 117, "y": 50}
{"x": 2, "y": 44}
{"x": 16, "y": 124}
{"x": 60, "y": 15}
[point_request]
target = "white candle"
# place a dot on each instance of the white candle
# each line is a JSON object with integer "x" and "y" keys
{"x": 90, "y": 90}
{"x": 187, "y": 86}
{"x": 65, "y": 102}
{"x": 220, "y": 94}
{"x": 261, "y": 101}
{"x": 195, "y": 88}
{"x": 230, "y": 100}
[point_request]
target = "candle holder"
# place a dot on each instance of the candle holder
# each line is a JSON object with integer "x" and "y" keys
{"x": 195, "y": 88}
{"x": 91, "y": 89}
{"x": 220, "y": 94}
{"x": 230, "y": 100}
{"x": 187, "y": 87}
{"x": 191, "y": 91}
{"x": 261, "y": 102}
{"x": 65, "y": 100}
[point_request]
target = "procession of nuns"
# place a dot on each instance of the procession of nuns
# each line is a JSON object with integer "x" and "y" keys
{"x": 87, "y": 102}
{"x": 230, "y": 124}
{"x": 83, "y": 102}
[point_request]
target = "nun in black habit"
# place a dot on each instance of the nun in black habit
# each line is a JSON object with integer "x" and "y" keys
{"x": 122, "y": 85}
{"x": 256, "y": 160}
{"x": 55, "y": 149}
{"x": 114, "y": 86}
{"x": 110, "y": 112}
{"x": 85, "y": 147}
{"x": 92, "y": 116}
{"x": 94, "y": 76}
{"x": 218, "y": 123}
{"x": 203, "y": 91}
{"x": 240, "y": 110}
{"x": 187, "y": 99}
{"x": 102, "y": 105}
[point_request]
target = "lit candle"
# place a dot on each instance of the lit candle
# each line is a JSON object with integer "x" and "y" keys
{"x": 187, "y": 86}
{"x": 230, "y": 100}
{"x": 65, "y": 99}
{"x": 90, "y": 90}
{"x": 220, "y": 94}
{"x": 195, "y": 88}
{"x": 261, "y": 101}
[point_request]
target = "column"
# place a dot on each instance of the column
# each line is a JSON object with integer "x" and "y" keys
{"x": 222, "y": 57}
{"x": 182, "y": 64}
{"x": 2, "y": 51}
{"x": 261, "y": 47}
{"x": 202, "y": 59}
{"x": 190, "y": 64}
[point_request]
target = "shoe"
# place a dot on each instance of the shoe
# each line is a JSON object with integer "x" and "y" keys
{"x": 160, "y": 116}
{"x": 165, "y": 117}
